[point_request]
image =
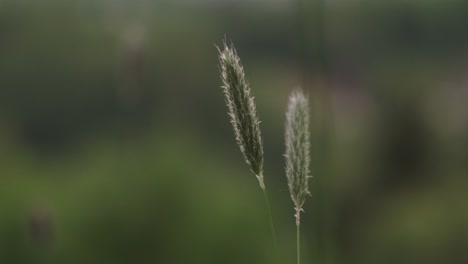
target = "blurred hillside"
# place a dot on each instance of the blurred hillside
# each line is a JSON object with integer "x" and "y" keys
{"x": 116, "y": 146}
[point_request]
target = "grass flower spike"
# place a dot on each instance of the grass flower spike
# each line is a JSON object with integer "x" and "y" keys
{"x": 298, "y": 155}
{"x": 242, "y": 111}
{"x": 297, "y": 149}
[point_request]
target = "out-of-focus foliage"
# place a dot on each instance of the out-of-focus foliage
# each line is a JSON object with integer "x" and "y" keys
{"x": 115, "y": 145}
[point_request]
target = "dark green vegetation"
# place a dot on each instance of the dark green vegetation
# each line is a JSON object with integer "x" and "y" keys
{"x": 113, "y": 136}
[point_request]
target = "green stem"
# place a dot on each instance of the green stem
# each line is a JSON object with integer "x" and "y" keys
{"x": 298, "y": 245}
{"x": 272, "y": 226}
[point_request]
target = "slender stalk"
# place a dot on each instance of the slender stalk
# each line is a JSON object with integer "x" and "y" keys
{"x": 298, "y": 244}
{"x": 272, "y": 225}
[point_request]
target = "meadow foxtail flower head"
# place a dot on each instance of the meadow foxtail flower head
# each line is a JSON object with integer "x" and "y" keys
{"x": 297, "y": 149}
{"x": 241, "y": 110}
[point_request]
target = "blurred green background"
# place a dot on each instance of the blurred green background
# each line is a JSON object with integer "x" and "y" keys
{"x": 115, "y": 145}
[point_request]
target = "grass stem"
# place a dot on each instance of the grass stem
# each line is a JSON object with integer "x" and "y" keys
{"x": 272, "y": 226}
{"x": 298, "y": 244}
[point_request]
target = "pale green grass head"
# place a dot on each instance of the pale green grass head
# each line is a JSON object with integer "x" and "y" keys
{"x": 241, "y": 110}
{"x": 298, "y": 149}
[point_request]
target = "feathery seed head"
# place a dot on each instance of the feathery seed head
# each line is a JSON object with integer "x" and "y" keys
{"x": 241, "y": 110}
{"x": 297, "y": 149}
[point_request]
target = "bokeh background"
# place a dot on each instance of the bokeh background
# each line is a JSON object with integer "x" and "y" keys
{"x": 115, "y": 145}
